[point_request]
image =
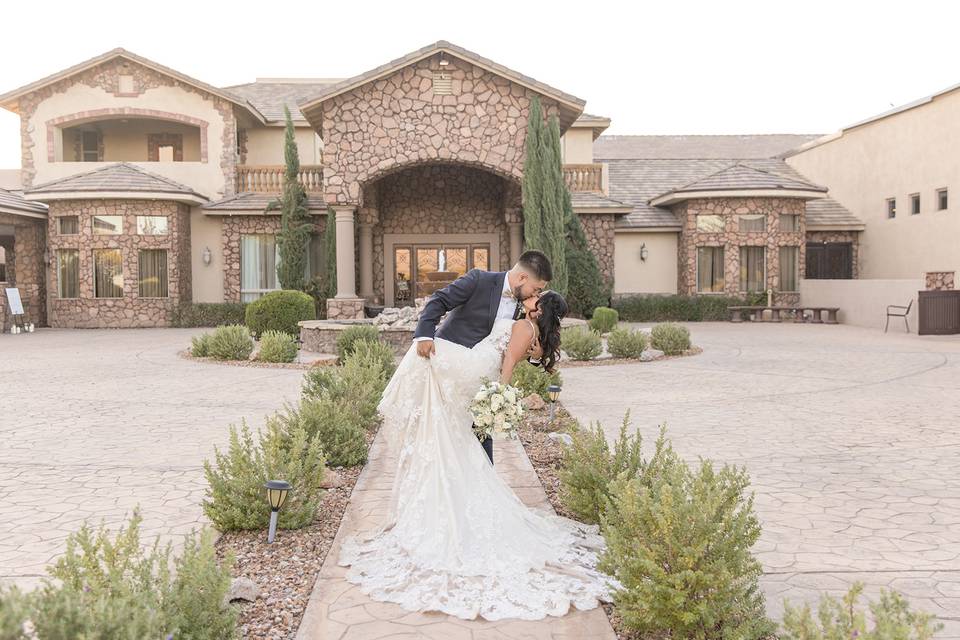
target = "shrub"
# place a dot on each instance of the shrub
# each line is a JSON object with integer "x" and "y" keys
{"x": 530, "y": 379}
{"x": 375, "y": 354}
{"x": 235, "y": 495}
{"x": 626, "y": 343}
{"x": 335, "y": 424}
{"x": 200, "y": 345}
{"x": 678, "y": 541}
{"x": 653, "y": 308}
{"x": 276, "y": 346}
{"x": 588, "y": 468}
{"x": 351, "y": 335}
{"x": 356, "y": 386}
{"x": 320, "y": 379}
{"x": 231, "y": 342}
{"x": 670, "y": 338}
{"x": 586, "y": 288}
{"x": 116, "y": 588}
{"x": 892, "y": 619}
{"x": 580, "y": 343}
{"x": 279, "y": 311}
{"x": 604, "y": 319}
{"x": 208, "y": 314}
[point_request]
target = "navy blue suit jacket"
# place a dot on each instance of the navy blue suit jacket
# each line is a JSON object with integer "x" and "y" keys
{"x": 470, "y": 302}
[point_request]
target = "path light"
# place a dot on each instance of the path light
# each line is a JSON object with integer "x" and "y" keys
{"x": 554, "y": 392}
{"x": 276, "y": 495}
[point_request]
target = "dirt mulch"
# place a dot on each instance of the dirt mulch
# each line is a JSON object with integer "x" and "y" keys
{"x": 185, "y": 354}
{"x": 692, "y": 351}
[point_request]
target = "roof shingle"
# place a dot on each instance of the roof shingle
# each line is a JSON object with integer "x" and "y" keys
{"x": 14, "y": 202}
{"x": 258, "y": 202}
{"x": 724, "y": 147}
{"x": 119, "y": 177}
{"x": 268, "y": 97}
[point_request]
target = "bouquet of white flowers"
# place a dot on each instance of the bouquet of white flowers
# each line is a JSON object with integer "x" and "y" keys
{"x": 496, "y": 409}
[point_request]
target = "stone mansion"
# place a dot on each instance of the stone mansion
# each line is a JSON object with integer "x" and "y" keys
{"x": 141, "y": 188}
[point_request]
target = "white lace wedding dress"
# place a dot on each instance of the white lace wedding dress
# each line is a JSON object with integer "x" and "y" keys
{"x": 456, "y": 538}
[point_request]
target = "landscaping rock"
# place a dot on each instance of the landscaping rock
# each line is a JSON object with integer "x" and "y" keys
{"x": 331, "y": 479}
{"x": 243, "y": 589}
{"x": 534, "y": 402}
{"x": 562, "y": 438}
{"x": 650, "y": 354}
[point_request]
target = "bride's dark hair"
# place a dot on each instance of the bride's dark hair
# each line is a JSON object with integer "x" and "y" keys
{"x": 553, "y": 309}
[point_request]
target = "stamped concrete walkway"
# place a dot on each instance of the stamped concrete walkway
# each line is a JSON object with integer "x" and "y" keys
{"x": 338, "y": 610}
{"x": 851, "y": 438}
{"x": 95, "y": 422}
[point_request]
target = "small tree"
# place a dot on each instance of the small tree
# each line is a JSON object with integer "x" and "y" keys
{"x": 555, "y": 192}
{"x": 532, "y": 185}
{"x": 295, "y": 221}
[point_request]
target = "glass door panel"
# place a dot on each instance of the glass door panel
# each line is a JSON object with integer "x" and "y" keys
{"x": 480, "y": 257}
{"x": 403, "y": 276}
{"x": 428, "y": 263}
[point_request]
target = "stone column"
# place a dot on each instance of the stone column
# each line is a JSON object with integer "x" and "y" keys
{"x": 516, "y": 241}
{"x": 366, "y": 261}
{"x": 346, "y": 262}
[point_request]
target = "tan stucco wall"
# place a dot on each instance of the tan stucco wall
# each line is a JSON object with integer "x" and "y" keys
{"x": 657, "y": 275}
{"x": 265, "y": 145}
{"x": 576, "y": 146}
{"x": 205, "y": 231}
{"x": 127, "y": 141}
{"x": 911, "y": 152}
{"x": 864, "y": 302}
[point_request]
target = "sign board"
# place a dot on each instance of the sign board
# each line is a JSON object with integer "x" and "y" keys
{"x": 13, "y": 297}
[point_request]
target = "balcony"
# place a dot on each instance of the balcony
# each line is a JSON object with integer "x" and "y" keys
{"x": 269, "y": 178}
{"x": 584, "y": 177}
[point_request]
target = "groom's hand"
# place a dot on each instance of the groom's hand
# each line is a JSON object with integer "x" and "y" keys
{"x": 425, "y": 348}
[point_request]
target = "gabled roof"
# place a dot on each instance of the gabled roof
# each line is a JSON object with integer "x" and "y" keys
{"x": 9, "y": 100}
{"x": 739, "y": 176}
{"x": 14, "y": 203}
{"x": 570, "y": 106}
{"x": 115, "y": 181}
{"x": 698, "y": 147}
{"x": 826, "y": 214}
{"x": 249, "y": 202}
{"x": 269, "y": 95}
{"x": 599, "y": 124}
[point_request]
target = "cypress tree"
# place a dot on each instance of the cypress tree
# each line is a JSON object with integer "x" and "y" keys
{"x": 532, "y": 184}
{"x": 330, "y": 254}
{"x": 554, "y": 221}
{"x": 295, "y": 222}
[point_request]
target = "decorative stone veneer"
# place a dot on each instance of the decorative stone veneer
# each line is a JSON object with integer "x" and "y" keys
{"x": 731, "y": 239}
{"x": 320, "y": 336}
{"x": 850, "y": 237}
{"x": 599, "y": 229}
{"x": 88, "y": 311}
{"x": 344, "y": 309}
{"x": 398, "y": 121}
{"x": 939, "y": 280}
{"x": 25, "y": 269}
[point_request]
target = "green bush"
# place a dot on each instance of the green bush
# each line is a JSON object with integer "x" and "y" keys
{"x": 841, "y": 620}
{"x": 235, "y": 497}
{"x": 375, "y": 354}
{"x": 672, "y": 339}
{"x": 279, "y": 311}
{"x": 231, "y": 342}
{"x": 200, "y": 345}
{"x": 588, "y": 468}
{"x": 604, "y": 319}
{"x": 319, "y": 380}
{"x": 276, "y": 346}
{"x": 208, "y": 314}
{"x": 116, "y": 588}
{"x": 654, "y": 308}
{"x": 626, "y": 343}
{"x": 530, "y": 379}
{"x": 356, "y": 386}
{"x": 678, "y": 541}
{"x": 586, "y": 288}
{"x": 349, "y": 336}
{"x": 337, "y": 426}
{"x": 581, "y": 343}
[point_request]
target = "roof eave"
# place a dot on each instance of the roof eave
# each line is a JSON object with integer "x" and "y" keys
{"x": 614, "y": 210}
{"x": 650, "y": 229}
{"x": 106, "y": 194}
{"x": 674, "y": 197}
{"x": 840, "y": 226}
{"x": 21, "y": 212}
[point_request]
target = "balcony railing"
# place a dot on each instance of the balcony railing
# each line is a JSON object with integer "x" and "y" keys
{"x": 269, "y": 178}
{"x": 583, "y": 177}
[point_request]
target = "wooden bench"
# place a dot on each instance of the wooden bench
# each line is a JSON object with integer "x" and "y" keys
{"x": 799, "y": 313}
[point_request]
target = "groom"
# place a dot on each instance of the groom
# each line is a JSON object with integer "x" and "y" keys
{"x": 473, "y": 302}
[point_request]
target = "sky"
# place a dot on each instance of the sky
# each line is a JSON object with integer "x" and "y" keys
{"x": 674, "y": 67}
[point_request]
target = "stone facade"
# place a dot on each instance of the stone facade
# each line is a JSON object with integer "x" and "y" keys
{"x": 599, "y": 229}
{"x": 25, "y": 268}
{"x": 845, "y": 237}
{"x": 344, "y": 309}
{"x": 398, "y": 121}
{"x": 731, "y": 239}
{"x": 939, "y": 280}
{"x": 320, "y": 336}
{"x": 130, "y": 310}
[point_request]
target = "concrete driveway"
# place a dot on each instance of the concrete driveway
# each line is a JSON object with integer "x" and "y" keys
{"x": 851, "y": 438}
{"x": 95, "y": 422}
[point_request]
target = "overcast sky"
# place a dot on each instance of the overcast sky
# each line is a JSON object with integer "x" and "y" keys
{"x": 652, "y": 67}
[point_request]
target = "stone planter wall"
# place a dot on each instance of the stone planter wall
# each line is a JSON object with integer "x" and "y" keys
{"x": 321, "y": 336}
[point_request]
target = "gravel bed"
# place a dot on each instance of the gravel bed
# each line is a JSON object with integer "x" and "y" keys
{"x": 567, "y": 362}
{"x": 185, "y": 354}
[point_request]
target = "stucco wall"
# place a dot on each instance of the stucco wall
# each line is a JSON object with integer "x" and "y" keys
{"x": 265, "y": 145}
{"x": 911, "y": 152}
{"x": 127, "y": 141}
{"x": 206, "y": 231}
{"x": 576, "y": 146}
{"x": 864, "y": 302}
{"x": 658, "y": 274}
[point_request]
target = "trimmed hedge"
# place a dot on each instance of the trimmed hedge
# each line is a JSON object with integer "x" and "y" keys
{"x": 279, "y": 311}
{"x": 677, "y": 308}
{"x": 230, "y": 342}
{"x": 277, "y": 346}
{"x": 208, "y": 314}
{"x": 604, "y": 319}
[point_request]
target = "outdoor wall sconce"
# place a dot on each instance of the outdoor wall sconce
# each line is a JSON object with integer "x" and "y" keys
{"x": 207, "y": 256}
{"x": 554, "y": 392}
{"x": 643, "y": 252}
{"x": 276, "y": 495}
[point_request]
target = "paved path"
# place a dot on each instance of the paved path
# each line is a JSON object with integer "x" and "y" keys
{"x": 338, "y": 610}
{"x": 851, "y": 438}
{"x": 95, "y": 422}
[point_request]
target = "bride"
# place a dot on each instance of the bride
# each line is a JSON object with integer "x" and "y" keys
{"x": 456, "y": 538}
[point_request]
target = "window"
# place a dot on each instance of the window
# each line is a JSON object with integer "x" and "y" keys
{"x": 709, "y": 223}
{"x": 709, "y": 269}
{"x": 152, "y": 273}
{"x": 68, "y": 225}
{"x": 941, "y": 199}
{"x": 914, "y": 203}
{"x": 68, "y": 273}
{"x": 259, "y": 258}
{"x": 891, "y": 207}
{"x": 107, "y": 225}
{"x": 789, "y": 268}
{"x": 316, "y": 256}
{"x": 152, "y": 225}
{"x": 107, "y": 273}
{"x": 752, "y": 222}
{"x": 752, "y": 269}
{"x": 789, "y": 222}
{"x": 829, "y": 261}
{"x": 90, "y": 146}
